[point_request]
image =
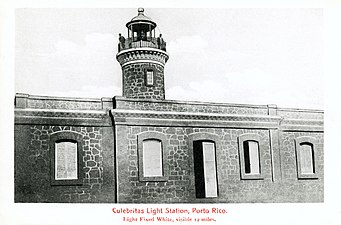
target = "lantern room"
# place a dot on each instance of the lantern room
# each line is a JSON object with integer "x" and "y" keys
{"x": 141, "y": 33}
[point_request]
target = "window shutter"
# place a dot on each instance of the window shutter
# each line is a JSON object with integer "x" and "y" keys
{"x": 209, "y": 169}
{"x": 66, "y": 160}
{"x": 152, "y": 158}
{"x": 306, "y": 159}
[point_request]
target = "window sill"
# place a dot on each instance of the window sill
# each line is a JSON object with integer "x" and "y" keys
{"x": 156, "y": 179}
{"x": 77, "y": 182}
{"x": 252, "y": 177}
{"x": 307, "y": 176}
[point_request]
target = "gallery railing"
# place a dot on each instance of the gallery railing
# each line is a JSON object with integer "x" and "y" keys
{"x": 140, "y": 43}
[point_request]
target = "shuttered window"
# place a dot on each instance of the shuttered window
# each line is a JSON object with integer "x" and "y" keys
{"x": 251, "y": 157}
{"x": 66, "y": 160}
{"x": 205, "y": 169}
{"x": 306, "y": 158}
{"x": 150, "y": 77}
{"x": 152, "y": 158}
{"x": 209, "y": 169}
{"x": 306, "y": 154}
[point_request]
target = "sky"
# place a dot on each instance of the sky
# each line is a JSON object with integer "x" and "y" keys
{"x": 244, "y": 56}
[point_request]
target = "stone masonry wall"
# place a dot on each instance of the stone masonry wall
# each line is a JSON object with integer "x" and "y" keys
{"x": 305, "y": 189}
{"x": 179, "y": 187}
{"x": 134, "y": 84}
{"x": 33, "y": 166}
{"x": 231, "y": 188}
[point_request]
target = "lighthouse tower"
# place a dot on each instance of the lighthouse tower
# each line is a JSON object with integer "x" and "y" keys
{"x": 142, "y": 56}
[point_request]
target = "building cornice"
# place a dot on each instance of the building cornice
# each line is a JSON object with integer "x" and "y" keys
{"x": 217, "y": 120}
{"x": 134, "y": 55}
{"x": 118, "y": 99}
{"x": 302, "y": 125}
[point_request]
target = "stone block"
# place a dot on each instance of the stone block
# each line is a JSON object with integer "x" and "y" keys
{"x": 94, "y": 173}
{"x": 91, "y": 163}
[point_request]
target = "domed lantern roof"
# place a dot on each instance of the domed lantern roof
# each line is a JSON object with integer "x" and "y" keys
{"x": 141, "y": 22}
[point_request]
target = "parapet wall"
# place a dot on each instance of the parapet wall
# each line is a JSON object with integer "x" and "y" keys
{"x": 300, "y": 113}
{"x": 23, "y": 101}
{"x": 208, "y": 107}
{"x": 47, "y": 102}
{"x": 182, "y": 106}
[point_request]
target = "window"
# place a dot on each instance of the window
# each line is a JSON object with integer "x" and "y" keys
{"x": 305, "y": 156}
{"x": 250, "y": 156}
{"x": 151, "y": 156}
{"x": 149, "y": 76}
{"x": 66, "y": 158}
{"x": 205, "y": 169}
